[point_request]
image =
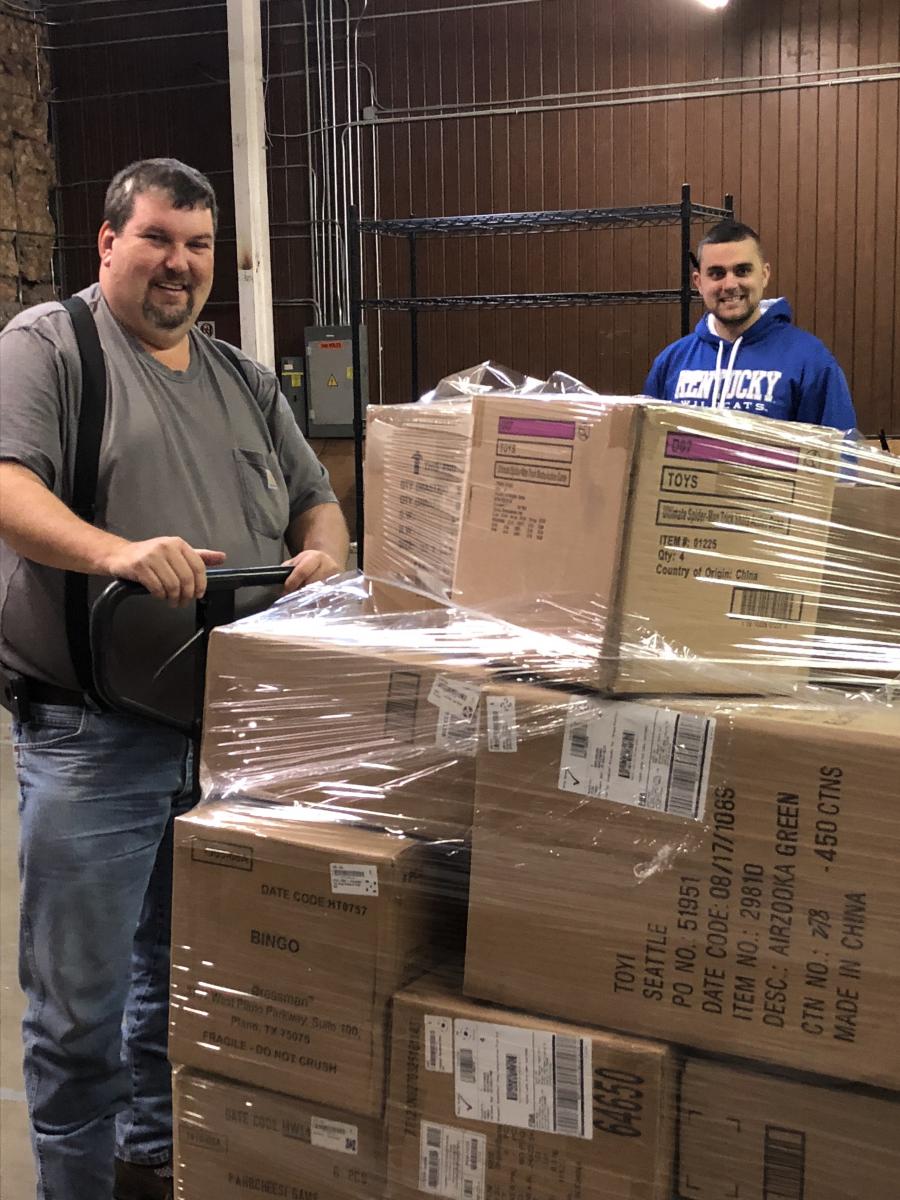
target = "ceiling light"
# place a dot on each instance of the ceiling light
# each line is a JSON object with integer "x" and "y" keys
{"x": 714, "y": 3}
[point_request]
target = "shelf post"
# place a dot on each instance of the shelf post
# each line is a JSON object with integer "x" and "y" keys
{"x": 685, "y": 259}
{"x": 355, "y": 280}
{"x": 413, "y": 321}
{"x": 729, "y": 205}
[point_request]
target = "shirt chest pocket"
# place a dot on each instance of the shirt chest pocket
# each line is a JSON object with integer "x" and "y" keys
{"x": 264, "y": 492}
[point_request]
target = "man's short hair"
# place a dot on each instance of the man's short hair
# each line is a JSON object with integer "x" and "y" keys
{"x": 727, "y": 231}
{"x": 186, "y": 187}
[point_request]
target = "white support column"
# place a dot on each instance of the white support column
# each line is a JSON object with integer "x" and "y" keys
{"x": 251, "y": 198}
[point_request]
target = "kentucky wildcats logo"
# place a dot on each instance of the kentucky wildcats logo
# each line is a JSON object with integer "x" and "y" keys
{"x": 739, "y": 385}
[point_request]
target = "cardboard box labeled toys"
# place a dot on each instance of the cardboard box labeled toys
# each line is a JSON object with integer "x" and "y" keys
{"x": 233, "y": 1141}
{"x": 723, "y": 875}
{"x": 490, "y": 1103}
{"x": 289, "y": 940}
{"x": 859, "y": 612}
{"x": 657, "y": 534}
{"x": 669, "y": 534}
{"x": 759, "y": 1137}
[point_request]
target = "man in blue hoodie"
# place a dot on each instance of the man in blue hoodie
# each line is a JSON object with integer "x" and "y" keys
{"x": 745, "y": 353}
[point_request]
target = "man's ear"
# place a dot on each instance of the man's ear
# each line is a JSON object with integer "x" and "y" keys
{"x": 695, "y": 280}
{"x": 767, "y": 271}
{"x": 105, "y": 239}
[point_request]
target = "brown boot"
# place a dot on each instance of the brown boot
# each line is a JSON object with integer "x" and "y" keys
{"x": 136, "y": 1181}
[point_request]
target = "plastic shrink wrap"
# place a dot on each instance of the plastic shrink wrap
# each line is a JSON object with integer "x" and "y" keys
{"x": 560, "y": 860}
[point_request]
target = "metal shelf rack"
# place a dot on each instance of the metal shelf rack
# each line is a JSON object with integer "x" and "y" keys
{"x": 683, "y": 214}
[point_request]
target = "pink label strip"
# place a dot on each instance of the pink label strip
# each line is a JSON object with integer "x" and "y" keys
{"x": 535, "y": 427}
{"x": 708, "y": 449}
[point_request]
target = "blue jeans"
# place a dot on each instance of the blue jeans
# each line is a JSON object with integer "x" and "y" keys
{"x": 98, "y": 795}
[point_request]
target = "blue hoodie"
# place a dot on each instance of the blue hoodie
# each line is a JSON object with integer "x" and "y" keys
{"x": 773, "y": 369}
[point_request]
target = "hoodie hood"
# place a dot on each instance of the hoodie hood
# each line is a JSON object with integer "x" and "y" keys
{"x": 775, "y": 313}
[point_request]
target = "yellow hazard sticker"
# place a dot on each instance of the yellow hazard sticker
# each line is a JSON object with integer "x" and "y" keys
{"x": 332, "y": 382}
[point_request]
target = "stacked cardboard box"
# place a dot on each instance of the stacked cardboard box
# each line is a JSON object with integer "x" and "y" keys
{"x": 490, "y": 1102}
{"x": 685, "y": 548}
{"x": 296, "y": 936}
{"x": 328, "y": 870}
{"x": 719, "y": 874}
{"x": 755, "y": 1136}
{"x": 682, "y": 870}
{"x": 232, "y": 1140}
{"x": 361, "y": 715}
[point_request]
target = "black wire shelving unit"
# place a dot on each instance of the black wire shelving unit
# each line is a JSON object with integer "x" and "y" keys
{"x": 683, "y": 214}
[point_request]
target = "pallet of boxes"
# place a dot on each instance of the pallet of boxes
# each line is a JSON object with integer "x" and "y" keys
{"x": 559, "y": 862}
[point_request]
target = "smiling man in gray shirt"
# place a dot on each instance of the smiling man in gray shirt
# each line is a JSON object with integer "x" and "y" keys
{"x": 200, "y": 463}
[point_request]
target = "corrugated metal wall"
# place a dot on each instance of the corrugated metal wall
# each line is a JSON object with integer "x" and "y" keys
{"x": 812, "y": 160}
{"x": 794, "y": 107}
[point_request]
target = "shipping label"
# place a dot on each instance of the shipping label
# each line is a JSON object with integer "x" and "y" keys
{"x": 635, "y": 754}
{"x": 334, "y": 1135}
{"x": 354, "y": 879}
{"x": 451, "y": 1162}
{"x": 457, "y": 722}
{"x": 528, "y": 1078}
{"x": 501, "y": 725}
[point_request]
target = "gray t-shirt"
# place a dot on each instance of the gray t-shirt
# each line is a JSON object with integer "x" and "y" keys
{"x": 199, "y": 454}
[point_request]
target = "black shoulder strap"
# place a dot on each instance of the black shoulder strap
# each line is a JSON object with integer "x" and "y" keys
{"x": 91, "y": 418}
{"x": 231, "y": 356}
{"x": 229, "y": 353}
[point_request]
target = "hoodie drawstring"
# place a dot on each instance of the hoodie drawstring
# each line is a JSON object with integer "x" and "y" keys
{"x": 719, "y": 393}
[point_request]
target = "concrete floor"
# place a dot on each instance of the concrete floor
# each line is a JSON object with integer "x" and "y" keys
{"x": 17, "y": 1180}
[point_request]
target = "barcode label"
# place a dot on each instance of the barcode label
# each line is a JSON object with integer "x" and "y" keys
{"x": 333, "y": 1135}
{"x": 501, "y": 725}
{"x": 527, "y": 1078}
{"x": 765, "y": 605}
{"x": 401, "y": 705}
{"x": 568, "y": 1092}
{"x": 451, "y": 1162}
{"x": 784, "y": 1164}
{"x": 578, "y": 741}
{"x": 637, "y": 754}
{"x": 688, "y": 761}
{"x": 466, "y": 1064}
{"x": 439, "y": 1044}
{"x": 348, "y": 879}
{"x": 626, "y": 754}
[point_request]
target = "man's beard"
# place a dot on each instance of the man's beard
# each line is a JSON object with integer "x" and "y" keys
{"x": 750, "y": 310}
{"x": 169, "y": 318}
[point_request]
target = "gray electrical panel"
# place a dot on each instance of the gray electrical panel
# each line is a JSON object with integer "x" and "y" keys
{"x": 329, "y": 379}
{"x": 293, "y": 388}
